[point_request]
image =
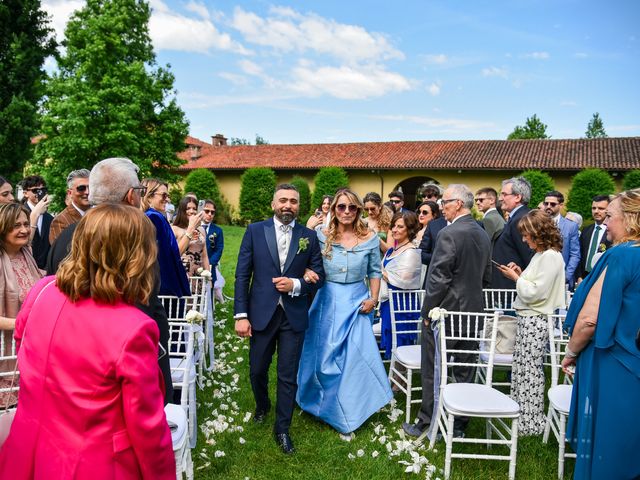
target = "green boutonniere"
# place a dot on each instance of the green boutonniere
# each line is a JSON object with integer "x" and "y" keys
{"x": 303, "y": 244}
{"x": 602, "y": 247}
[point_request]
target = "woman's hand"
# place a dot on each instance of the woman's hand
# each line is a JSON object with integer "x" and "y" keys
{"x": 568, "y": 365}
{"x": 314, "y": 221}
{"x": 511, "y": 271}
{"x": 194, "y": 223}
{"x": 368, "y": 305}
{"x": 310, "y": 276}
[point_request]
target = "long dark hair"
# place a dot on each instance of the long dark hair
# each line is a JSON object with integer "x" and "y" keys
{"x": 181, "y": 219}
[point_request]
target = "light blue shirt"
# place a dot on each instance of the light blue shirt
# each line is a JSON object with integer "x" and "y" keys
{"x": 351, "y": 265}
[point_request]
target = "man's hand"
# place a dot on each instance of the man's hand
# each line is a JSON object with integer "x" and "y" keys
{"x": 310, "y": 276}
{"x": 243, "y": 327}
{"x": 283, "y": 284}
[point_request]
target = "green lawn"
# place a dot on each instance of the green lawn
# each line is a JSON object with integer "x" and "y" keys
{"x": 230, "y": 446}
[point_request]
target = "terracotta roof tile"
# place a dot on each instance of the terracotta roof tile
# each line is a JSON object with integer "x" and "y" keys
{"x": 572, "y": 154}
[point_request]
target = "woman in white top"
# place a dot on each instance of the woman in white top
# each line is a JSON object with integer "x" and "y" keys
{"x": 541, "y": 290}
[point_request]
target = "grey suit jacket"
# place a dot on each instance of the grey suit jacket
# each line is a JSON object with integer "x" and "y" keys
{"x": 460, "y": 268}
{"x": 493, "y": 224}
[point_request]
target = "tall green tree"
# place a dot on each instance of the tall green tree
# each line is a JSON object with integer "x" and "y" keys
{"x": 541, "y": 183}
{"x": 243, "y": 141}
{"x": 327, "y": 181}
{"x": 595, "y": 128}
{"x": 584, "y": 186}
{"x": 256, "y": 194}
{"x": 26, "y": 40}
{"x": 532, "y": 128}
{"x": 109, "y": 98}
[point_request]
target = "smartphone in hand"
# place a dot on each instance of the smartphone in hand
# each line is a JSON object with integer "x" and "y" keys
{"x": 496, "y": 263}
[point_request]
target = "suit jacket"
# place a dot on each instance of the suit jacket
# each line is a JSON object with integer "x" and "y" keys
{"x": 68, "y": 216}
{"x": 493, "y": 224}
{"x": 428, "y": 242}
{"x": 460, "y": 268}
{"x": 90, "y": 397}
{"x": 509, "y": 247}
{"x": 215, "y": 245}
{"x": 258, "y": 264}
{"x": 570, "y": 248}
{"x": 585, "y": 243}
{"x": 60, "y": 249}
{"x": 40, "y": 244}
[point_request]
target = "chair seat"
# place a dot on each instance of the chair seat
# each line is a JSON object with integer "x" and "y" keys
{"x": 177, "y": 371}
{"x": 408, "y": 355}
{"x": 377, "y": 329}
{"x": 560, "y": 398}
{"x": 177, "y": 420}
{"x": 477, "y": 399}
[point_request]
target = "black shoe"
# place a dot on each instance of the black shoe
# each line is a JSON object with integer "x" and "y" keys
{"x": 259, "y": 415}
{"x": 284, "y": 442}
{"x": 414, "y": 429}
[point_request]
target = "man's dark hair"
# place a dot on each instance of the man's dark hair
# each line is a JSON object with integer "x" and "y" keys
{"x": 601, "y": 198}
{"x": 398, "y": 194}
{"x": 431, "y": 191}
{"x": 557, "y": 194}
{"x": 208, "y": 201}
{"x": 32, "y": 181}
{"x": 491, "y": 192}
{"x": 285, "y": 186}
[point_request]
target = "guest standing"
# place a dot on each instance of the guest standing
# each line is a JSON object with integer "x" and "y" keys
{"x": 341, "y": 377}
{"x": 78, "y": 203}
{"x": 190, "y": 236}
{"x": 90, "y": 401}
{"x": 173, "y": 277}
{"x": 215, "y": 246}
{"x": 6, "y": 191}
{"x": 604, "y": 325}
{"x": 426, "y": 212}
{"x": 36, "y": 200}
{"x": 378, "y": 218}
{"x": 540, "y": 292}
{"x": 320, "y": 216}
{"x": 401, "y": 271}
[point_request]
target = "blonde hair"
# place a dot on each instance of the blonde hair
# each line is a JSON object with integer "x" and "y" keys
{"x": 630, "y": 207}
{"x": 112, "y": 257}
{"x": 359, "y": 227}
{"x": 152, "y": 184}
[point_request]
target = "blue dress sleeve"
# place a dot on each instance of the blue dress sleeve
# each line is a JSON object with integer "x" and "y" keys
{"x": 374, "y": 267}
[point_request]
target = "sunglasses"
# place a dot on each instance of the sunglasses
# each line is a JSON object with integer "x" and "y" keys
{"x": 341, "y": 207}
{"x": 395, "y": 201}
{"x": 82, "y": 188}
{"x": 424, "y": 212}
{"x": 164, "y": 195}
{"x": 550, "y": 204}
{"x": 480, "y": 200}
{"x": 208, "y": 211}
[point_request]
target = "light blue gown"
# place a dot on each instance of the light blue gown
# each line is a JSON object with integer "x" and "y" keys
{"x": 341, "y": 379}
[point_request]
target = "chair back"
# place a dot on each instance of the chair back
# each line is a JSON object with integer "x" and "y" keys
{"x": 463, "y": 342}
{"x": 498, "y": 299}
{"x": 405, "y": 307}
{"x": 8, "y": 358}
{"x": 181, "y": 355}
{"x": 199, "y": 292}
{"x": 177, "y": 307}
{"x": 558, "y": 341}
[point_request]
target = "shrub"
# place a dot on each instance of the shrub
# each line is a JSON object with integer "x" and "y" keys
{"x": 256, "y": 193}
{"x": 541, "y": 183}
{"x": 305, "y": 195}
{"x": 175, "y": 194}
{"x": 584, "y": 186}
{"x": 327, "y": 181}
{"x": 204, "y": 184}
{"x": 631, "y": 180}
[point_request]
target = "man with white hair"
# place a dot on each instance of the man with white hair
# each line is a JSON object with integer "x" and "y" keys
{"x": 115, "y": 180}
{"x": 78, "y": 193}
{"x": 459, "y": 269}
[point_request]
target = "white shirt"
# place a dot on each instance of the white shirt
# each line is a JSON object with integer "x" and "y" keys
{"x": 541, "y": 288}
{"x": 80, "y": 211}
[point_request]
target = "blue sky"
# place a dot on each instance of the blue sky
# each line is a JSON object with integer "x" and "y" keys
{"x": 359, "y": 71}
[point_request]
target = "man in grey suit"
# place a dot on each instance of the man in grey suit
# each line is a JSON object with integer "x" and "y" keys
{"x": 459, "y": 269}
{"x": 492, "y": 221}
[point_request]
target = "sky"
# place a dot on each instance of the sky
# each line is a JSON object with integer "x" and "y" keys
{"x": 373, "y": 71}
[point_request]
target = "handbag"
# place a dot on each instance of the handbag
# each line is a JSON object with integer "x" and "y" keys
{"x": 6, "y": 417}
{"x": 506, "y": 334}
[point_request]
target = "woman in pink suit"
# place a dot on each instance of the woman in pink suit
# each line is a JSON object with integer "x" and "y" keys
{"x": 91, "y": 396}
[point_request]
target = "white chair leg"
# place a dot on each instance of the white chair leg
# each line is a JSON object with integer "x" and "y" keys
{"x": 561, "y": 444}
{"x": 514, "y": 449}
{"x": 447, "y": 459}
{"x": 408, "y": 408}
{"x": 489, "y": 432}
{"x": 192, "y": 416}
{"x": 547, "y": 427}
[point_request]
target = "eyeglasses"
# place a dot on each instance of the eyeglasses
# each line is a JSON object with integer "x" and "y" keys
{"x": 141, "y": 189}
{"x": 480, "y": 200}
{"x": 424, "y": 212}
{"x": 208, "y": 211}
{"x": 164, "y": 195}
{"x": 395, "y": 201}
{"x": 341, "y": 207}
{"x": 82, "y": 188}
{"x": 551, "y": 204}
{"x": 505, "y": 194}
{"x": 444, "y": 202}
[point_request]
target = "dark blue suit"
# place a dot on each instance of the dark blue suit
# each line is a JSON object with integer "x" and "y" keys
{"x": 272, "y": 323}
{"x": 428, "y": 242}
{"x": 214, "y": 240}
{"x": 509, "y": 247}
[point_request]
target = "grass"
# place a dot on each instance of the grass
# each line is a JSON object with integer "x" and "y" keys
{"x": 230, "y": 446}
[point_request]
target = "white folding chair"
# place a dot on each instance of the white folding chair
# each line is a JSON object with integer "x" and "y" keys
{"x": 559, "y": 394}
{"x": 405, "y": 359}
{"x": 204, "y": 303}
{"x": 177, "y": 420}
{"x": 498, "y": 299}
{"x": 183, "y": 371}
{"x": 8, "y": 358}
{"x": 473, "y": 399}
{"x": 503, "y": 356}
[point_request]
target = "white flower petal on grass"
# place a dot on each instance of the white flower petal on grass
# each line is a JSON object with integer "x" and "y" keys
{"x": 247, "y": 417}
{"x": 219, "y": 453}
{"x": 242, "y": 441}
{"x": 351, "y": 456}
{"x": 360, "y": 453}
{"x": 375, "y": 453}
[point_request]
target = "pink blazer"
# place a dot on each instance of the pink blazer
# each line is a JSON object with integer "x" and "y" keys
{"x": 91, "y": 397}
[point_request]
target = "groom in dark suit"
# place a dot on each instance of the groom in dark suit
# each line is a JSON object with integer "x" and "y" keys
{"x": 272, "y": 302}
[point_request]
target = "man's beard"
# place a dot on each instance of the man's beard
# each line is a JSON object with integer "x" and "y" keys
{"x": 285, "y": 217}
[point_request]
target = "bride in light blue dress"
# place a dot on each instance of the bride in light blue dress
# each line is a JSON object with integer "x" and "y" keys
{"x": 341, "y": 379}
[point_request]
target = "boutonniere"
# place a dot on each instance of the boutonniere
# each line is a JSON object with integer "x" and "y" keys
{"x": 602, "y": 247}
{"x": 303, "y": 244}
{"x": 212, "y": 238}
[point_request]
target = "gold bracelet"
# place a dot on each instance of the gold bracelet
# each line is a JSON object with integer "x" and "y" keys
{"x": 188, "y": 235}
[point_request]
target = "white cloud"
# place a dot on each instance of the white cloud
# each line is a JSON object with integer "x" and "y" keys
{"x": 234, "y": 78}
{"x": 437, "y": 59}
{"x": 199, "y": 9}
{"x": 434, "y": 89}
{"x": 172, "y": 31}
{"x": 451, "y": 124}
{"x": 346, "y": 82}
{"x": 60, "y": 12}
{"x": 495, "y": 72}
{"x": 285, "y": 30}
{"x": 537, "y": 55}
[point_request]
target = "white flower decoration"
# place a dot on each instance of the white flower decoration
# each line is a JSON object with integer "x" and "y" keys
{"x": 437, "y": 313}
{"x": 194, "y": 316}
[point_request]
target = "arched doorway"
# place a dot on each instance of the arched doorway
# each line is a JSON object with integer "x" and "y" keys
{"x": 410, "y": 187}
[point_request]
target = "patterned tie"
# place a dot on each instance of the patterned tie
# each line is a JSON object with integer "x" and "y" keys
{"x": 592, "y": 248}
{"x": 283, "y": 244}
